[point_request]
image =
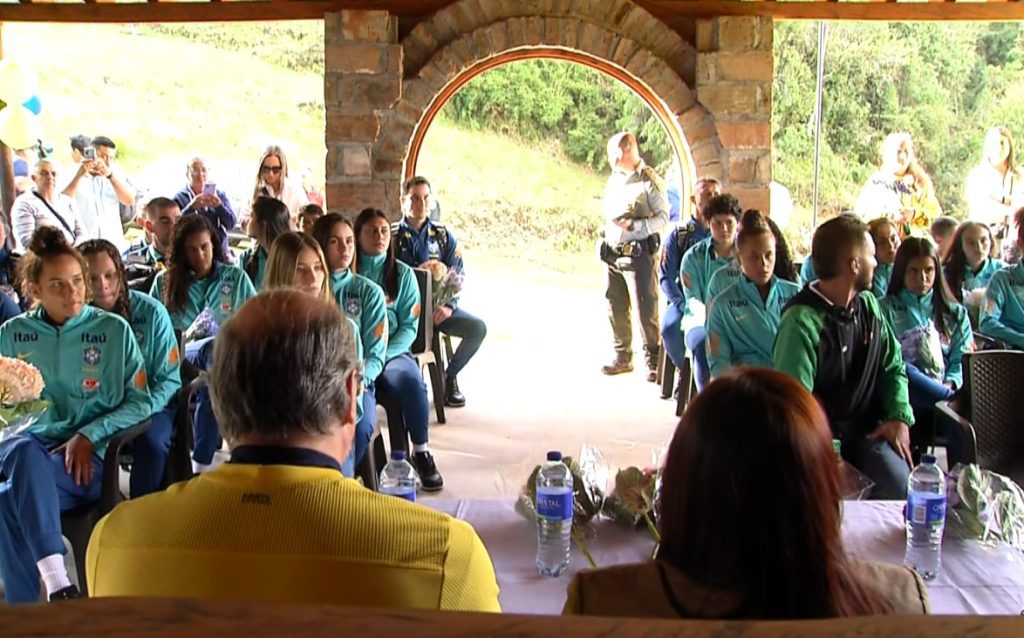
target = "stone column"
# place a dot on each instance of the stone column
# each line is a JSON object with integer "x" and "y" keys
{"x": 734, "y": 83}
{"x": 362, "y": 84}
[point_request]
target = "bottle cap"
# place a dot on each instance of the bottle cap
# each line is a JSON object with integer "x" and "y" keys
{"x": 837, "y": 446}
{"x": 928, "y": 459}
{"x": 554, "y": 455}
{"x": 397, "y": 455}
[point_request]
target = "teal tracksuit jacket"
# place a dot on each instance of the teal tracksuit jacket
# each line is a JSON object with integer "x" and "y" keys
{"x": 1002, "y": 315}
{"x": 155, "y": 336}
{"x": 93, "y": 370}
{"x": 698, "y": 265}
{"x": 222, "y": 292}
{"x": 363, "y": 302}
{"x": 741, "y": 327}
{"x": 722, "y": 279}
{"x": 404, "y": 311}
{"x": 912, "y": 321}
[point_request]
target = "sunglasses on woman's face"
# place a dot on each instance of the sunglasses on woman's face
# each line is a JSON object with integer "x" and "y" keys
{"x": 270, "y": 169}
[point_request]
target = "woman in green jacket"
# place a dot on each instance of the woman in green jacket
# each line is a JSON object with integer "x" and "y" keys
{"x": 933, "y": 330}
{"x": 401, "y": 378}
{"x": 95, "y": 379}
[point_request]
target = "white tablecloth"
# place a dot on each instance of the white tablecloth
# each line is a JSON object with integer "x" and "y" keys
{"x": 975, "y": 578}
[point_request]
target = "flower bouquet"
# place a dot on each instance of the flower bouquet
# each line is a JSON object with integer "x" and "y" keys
{"x": 633, "y": 499}
{"x": 21, "y": 385}
{"x": 984, "y": 505}
{"x": 203, "y": 327}
{"x": 446, "y": 283}
{"x": 588, "y": 480}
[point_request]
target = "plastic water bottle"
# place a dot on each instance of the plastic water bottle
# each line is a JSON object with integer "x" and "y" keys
{"x": 926, "y": 518}
{"x": 398, "y": 478}
{"x": 554, "y": 516}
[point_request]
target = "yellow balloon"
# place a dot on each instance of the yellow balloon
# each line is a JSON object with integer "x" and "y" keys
{"x": 19, "y": 128}
{"x": 17, "y": 83}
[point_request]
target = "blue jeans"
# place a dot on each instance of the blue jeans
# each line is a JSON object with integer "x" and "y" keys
{"x": 880, "y": 463}
{"x": 149, "y": 453}
{"x": 925, "y": 392}
{"x": 207, "y": 432}
{"x": 402, "y": 380}
{"x": 471, "y": 331}
{"x": 34, "y": 490}
{"x": 694, "y": 340}
{"x": 672, "y": 335}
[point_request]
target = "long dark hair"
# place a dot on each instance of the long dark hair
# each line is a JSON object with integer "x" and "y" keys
{"x": 273, "y": 213}
{"x": 123, "y": 305}
{"x": 912, "y": 248}
{"x": 390, "y": 279}
{"x": 322, "y": 233}
{"x": 721, "y": 474}
{"x": 955, "y": 262}
{"x": 755, "y": 223}
{"x": 179, "y": 274}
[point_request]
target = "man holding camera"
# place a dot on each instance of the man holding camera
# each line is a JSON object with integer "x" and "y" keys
{"x": 636, "y": 209}
{"x": 99, "y": 189}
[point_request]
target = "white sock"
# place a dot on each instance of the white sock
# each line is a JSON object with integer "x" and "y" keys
{"x": 419, "y": 447}
{"x": 55, "y": 575}
{"x": 200, "y": 468}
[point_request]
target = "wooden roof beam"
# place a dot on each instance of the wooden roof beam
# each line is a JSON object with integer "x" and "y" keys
{"x": 41, "y": 11}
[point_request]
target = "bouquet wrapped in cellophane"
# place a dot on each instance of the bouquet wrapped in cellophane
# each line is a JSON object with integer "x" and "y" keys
{"x": 202, "y": 327}
{"x": 984, "y": 505}
{"x": 446, "y": 283}
{"x": 21, "y": 385}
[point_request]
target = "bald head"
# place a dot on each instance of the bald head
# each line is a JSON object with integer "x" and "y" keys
{"x": 281, "y": 368}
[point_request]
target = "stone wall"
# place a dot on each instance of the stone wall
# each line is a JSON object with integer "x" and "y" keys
{"x": 716, "y": 91}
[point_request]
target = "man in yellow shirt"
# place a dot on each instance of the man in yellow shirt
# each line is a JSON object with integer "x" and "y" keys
{"x": 279, "y": 522}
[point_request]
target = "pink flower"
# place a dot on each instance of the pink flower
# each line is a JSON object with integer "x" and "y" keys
{"x": 20, "y": 381}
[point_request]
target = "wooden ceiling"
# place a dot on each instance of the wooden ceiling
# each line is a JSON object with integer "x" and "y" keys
{"x": 252, "y": 10}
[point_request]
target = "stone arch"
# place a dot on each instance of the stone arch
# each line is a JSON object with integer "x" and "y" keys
{"x": 712, "y": 95}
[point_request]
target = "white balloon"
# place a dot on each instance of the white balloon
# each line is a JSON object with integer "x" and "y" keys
{"x": 17, "y": 83}
{"x": 19, "y": 127}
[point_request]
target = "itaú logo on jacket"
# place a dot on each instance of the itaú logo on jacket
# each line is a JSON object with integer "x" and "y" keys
{"x": 88, "y": 338}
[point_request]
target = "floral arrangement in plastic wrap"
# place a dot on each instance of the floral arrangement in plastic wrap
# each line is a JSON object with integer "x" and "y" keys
{"x": 984, "y": 505}
{"x": 589, "y": 476}
{"x": 446, "y": 283}
{"x": 203, "y": 327}
{"x": 21, "y": 385}
{"x": 633, "y": 499}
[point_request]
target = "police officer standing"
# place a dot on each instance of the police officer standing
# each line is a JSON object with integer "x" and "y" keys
{"x": 636, "y": 209}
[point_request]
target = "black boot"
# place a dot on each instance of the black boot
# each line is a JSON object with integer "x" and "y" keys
{"x": 68, "y": 593}
{"x": 452, "y": 397}
{"x": 430, "y": 478}
{"x": 623, "y": 363}
{"x": 651, "y": 354}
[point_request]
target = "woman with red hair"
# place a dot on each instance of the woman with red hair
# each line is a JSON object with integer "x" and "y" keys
{"x": 750, "y": 519}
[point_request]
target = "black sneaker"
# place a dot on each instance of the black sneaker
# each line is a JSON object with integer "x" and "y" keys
{"x": 430, "y": 478}
{"x": 68, "y": 593}
{"x": 452, "y": 397}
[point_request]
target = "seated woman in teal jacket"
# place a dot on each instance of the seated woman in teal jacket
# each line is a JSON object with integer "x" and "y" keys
{"x": 744, "y": 318}
{"x": 401, "y": 378}
{"x": 933, "y": 330}
{"x": 699, "y": 264}
{"x": 784, "y": 267}
{"x": 1002, "y": 314}
{"x": 362, "y": 301}
{"x": 199, "y": 284}
{"x": 95, "y": 379}
{"x": 153, "y": 331}
{"x": 969, "y": 266}
{"x": 269, "y": 219}
{"x": 886, "y": 236}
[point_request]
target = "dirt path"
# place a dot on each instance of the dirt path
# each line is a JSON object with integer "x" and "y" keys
{"x": 536, "y": 383}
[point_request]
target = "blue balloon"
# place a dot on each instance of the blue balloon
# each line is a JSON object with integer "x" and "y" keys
{"x": 33, "y": 104}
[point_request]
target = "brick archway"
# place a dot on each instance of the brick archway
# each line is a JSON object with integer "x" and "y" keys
{"x": 713, "y": 95}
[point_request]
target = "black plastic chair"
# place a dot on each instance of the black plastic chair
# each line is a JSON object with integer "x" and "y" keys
{"x": 425, "y": 347}
{"x": 666, "y": 374}
{"x": 376, "y": 456}
{"x": 77, "y": 524}
{"x": 990, "y": 414}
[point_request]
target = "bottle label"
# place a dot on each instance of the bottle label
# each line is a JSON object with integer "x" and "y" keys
{"x": 926, "y": 508}
{"x": 555, "y": 504}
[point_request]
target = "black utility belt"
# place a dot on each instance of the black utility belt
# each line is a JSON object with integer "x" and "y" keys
{"x": 637, "y": 248}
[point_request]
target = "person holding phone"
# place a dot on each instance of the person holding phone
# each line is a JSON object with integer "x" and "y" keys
{"x": 44, "y": 206}
{"x": 99, "y": 189}
{"x": 204, "y": 198}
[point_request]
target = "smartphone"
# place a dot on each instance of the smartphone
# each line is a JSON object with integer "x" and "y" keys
{"x": 89, "y": 153}
{"x": 209, "y": 188}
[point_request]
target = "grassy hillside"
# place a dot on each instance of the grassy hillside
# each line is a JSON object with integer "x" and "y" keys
{"x": 168, "y": 93}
